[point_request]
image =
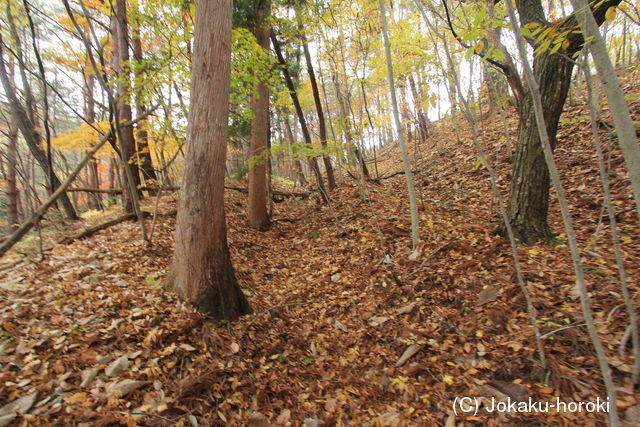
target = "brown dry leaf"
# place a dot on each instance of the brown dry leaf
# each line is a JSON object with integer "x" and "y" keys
{"x": 409, "y": 352}
{"x": 487, "y": 295}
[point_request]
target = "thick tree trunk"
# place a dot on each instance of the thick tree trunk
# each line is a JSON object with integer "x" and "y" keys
{"x": 202, "y": 273}
{"x": 127, "y": 143}
{"x": 257, "y": 209}
{"x": 529, "y": 192}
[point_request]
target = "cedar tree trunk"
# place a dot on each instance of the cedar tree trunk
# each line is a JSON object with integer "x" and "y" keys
{"x": 202, "y": 273}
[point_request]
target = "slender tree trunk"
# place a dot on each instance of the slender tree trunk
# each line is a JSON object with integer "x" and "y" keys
{"x": 421, "y": 115}
{"x": 257, "y": 209}
{"x": 296, "y": 162}
{"x": 627, "y": 137}
{"x": 22, "y": 118}
{"x": 303, "y": 124}
{"x": 415, "y": 226}
{"x": 127, "y": 143}
{"x": 95, "y": 200}
{"x": 142, "y": 136}
{"x": 331, "y": 180}
{"x": 202, "y": 273}
{"x": 538, "y": 107}
{"x": 13, "y": 195}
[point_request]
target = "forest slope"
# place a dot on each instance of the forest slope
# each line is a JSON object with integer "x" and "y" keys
{"x": 338, "y": 298}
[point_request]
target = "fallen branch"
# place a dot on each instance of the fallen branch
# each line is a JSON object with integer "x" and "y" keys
{"x": 273, "y": 192}
{"x": 88, "y": 232}
{"x": 39, "y": 213}
{"x": 278, "y": 193}
{"x": 394, "y": 174}
{"x": 118, "y": 190}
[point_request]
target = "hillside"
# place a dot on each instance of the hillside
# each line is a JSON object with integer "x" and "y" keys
{"x": 338, "y": 299}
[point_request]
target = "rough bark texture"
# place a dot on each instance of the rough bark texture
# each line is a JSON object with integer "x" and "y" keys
{"x": 120, "y": 58}
{"x": 202, "y": 273}
{"x": 529, "y": 192}
{"x": 257, "y": 209}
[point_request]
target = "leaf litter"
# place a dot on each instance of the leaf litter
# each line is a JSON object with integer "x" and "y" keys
{"x": 350, "y": 327}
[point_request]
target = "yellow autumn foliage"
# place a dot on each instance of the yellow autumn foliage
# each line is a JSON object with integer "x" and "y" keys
{"x": 83, "y": 138}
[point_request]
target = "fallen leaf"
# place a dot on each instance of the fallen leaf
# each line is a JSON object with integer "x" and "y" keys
{"x": 409, "y": 353}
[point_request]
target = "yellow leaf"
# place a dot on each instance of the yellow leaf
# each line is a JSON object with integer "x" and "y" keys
{"x": 610, "y": 15}
{"x": 448, "y": 379}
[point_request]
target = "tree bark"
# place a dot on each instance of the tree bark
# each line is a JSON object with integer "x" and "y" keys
{"x": 303, "y": 124}
{"x": 529, "y": 191}
{"x": 95, "y": 200}
{"x": 12, "y": 192}
{"x": 415, "y": 221}
{"x": 142, "y": 136}
{"x": 120, "y": 31}
{"x": 322, "y": 127}
{"x": 31, "y": 135}
{"x": 627, "y": 136}
{"x": 257, "y": 209}
{"x": 296, "y": 162}
{"x": 202, "y": 273}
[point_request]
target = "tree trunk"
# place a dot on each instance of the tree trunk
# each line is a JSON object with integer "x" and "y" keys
{"x": 95, "y": 200}
{"x": 257, "y": 209}
{"x": 529, "y": 192}
{"x": 12, "y": 192}
{"x": 331, "y": 180}
{"x": 202, "y": 273}
{"x": 303, "y": 124}
{"x": 296, "y": 162}
{"x": 142, "y": 136}
{"x": 415, "y": 227}
{"x": 120, "y": 59}
{"x": 625, "y": 129}
{"x": 30, "y": 133}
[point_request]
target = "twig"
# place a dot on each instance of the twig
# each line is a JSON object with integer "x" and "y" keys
{"x": 548, "y": 334}
{"x": 434, "y": 253}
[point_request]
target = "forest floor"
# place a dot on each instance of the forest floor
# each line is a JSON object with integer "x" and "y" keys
{"x": 89, "y": 337}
